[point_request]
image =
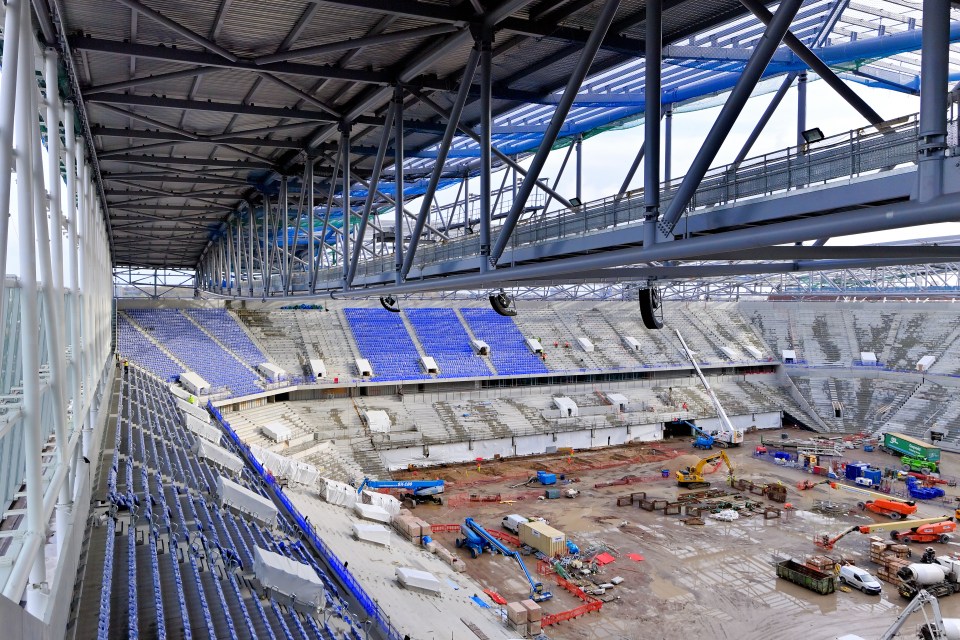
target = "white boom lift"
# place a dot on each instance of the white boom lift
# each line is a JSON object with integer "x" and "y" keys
{"x": 727, "y": 435}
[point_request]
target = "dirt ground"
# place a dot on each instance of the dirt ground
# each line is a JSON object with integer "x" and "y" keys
{"x": 716, "y": 580}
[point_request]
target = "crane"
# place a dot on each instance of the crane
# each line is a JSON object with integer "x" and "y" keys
{"x": 704, "y": 440}
{"x": 476, "y": 538}
{"x": 727, "y": 435}
{"x": 934, "y": 629}
{"x": 826, "y": 542}
{"x": 692, "y": 477}
{"x": 417, "y": 491}
{"x": 893, "y": 508}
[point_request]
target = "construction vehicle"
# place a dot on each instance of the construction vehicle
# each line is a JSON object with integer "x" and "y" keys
{"x": 918, "y": 529}
{"x": 935, "y": 627}
{"x": 919, "y": 464}
{"x": 939, "y": 576}
{"x": 477, "y": 539}
{"x": 414, "y": 491}
{"x": 893, "y": 508}
{"x": 727, "y": 435}
{"x": 704, "y": 440}
{"x": 692, "y": 477}
{"x": 932, "y": 532}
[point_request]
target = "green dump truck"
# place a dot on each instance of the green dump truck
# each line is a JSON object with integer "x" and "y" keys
{"x": 914, "y": 452}
{"x": 808, "y": 577}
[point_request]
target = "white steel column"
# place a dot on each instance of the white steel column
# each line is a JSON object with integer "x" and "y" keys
{"x": 26, "y": 116}
{"x": 8, "y": 92}
{"x": 73, "y": 307}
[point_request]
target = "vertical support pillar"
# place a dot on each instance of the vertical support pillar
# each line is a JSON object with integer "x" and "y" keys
{"x": 24, "y": 120}
{"x": 284, "y": 213}
{"x": 8, "y": 94}
{"x": 579, "y": 144}
{"x": 466, "y": 200}
{"x": 345, "y": 150}
{"x": 398, "y": 185}
{"x": 801, "y": 107}
{"x": 651, "y": 121}
{"x": 668, "y": 145}
{"x": 485, "y": 43}
{"x": 73, "y": 314}
{"x": 311, "y": 236}
{"x": 231, "y": 267}
{"x": 934, "y": 70}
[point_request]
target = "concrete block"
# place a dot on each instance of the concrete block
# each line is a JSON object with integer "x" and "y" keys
{"x": 516, "y": 612}
{"x": 534, "y": 612}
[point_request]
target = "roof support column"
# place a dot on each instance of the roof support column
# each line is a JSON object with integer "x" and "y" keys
{"x": 284, "y": 212}
{"x": 73, "y": 316}
{"x": 398, "y": 183}
{"x": 332, "y": 187}
{"x": 345, "y": 143}
{"x": 453, "y": 119}
{"x": 651, "y": 120}
{"x": 579, "y": 144}
{"x": 934, "y": 70}
{"x": 580, "y": 72}
{"x": 251, "y": 234}
{"x": 738, "y": 97}
{"x": 801, "y": 108}
{"x": 8, "y": 94}
{"x": 632, "y": 171}
{"x": 231, "y": 266}
{"x": 25, "y": 119}
{"x": 667, "y": 144}
{"x": 311, "y": 235}
{"x": 765, "y": 118}
{"x": 485, "y": 44}
{"x": 371, "y": 194}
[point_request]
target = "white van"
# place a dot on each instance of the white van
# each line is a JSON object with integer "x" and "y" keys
{"x": 512, "y": 522}
{"x": 859, "y": 579}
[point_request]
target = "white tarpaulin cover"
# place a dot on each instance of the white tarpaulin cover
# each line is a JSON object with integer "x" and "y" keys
{"x": 236, "y": 496}
{"x": 287, "y": 576}
{"x": 378, "y": 421}
{"x": 372, "y": 512}
{"x": 339, "y": 493}
{"x": 363, "y": 367}
{"x": 276, "y": 431}
{"x": 631, "y": 343}
{"x": 375, "y": 533}
{"x": 218, "y": 455}
{"x": 194, "y": 410}
{"x": 789, "y": 354}
{"x": 568, "y": 408}
{"x": 179, "y": 392}
{"x": 203, "y": 429}
{"x": 924, "y": 363}
{"x": 868, "y": 357}
{"x": 416, "y": 579}
{"x": 753, "y": 351}
{"x": 386, "y": 502}
{"x": 194, "y": 383}
{"x": 585, "y": 344}
{"x": 730, "y": 353}
{"x": 317, "y": 367}
{"x": 292, "y": 470}
{"x": 271, "y": 372}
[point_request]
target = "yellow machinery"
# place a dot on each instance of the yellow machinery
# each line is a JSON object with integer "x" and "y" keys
{"x": 692, "y": 477}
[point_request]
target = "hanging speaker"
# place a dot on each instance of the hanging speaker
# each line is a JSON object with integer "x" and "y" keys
{"x": 651, "y": 308}
{"x": 390, "y": 304}
{"x": 502, "y": 304}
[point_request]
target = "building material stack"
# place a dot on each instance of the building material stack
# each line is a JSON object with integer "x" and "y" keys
{"x": 890, "y": 556}
{"x": 534, "y": 617}
{"x": 517, "y": 618}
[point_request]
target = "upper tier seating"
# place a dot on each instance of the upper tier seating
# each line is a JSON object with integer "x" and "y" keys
{"x": 383, "y": 340}
{"x": 446, "y": 341}
{"x": 508, "y": 351}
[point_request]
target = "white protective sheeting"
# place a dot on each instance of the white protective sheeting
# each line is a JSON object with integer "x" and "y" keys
{"x": 480, "y": 347}
{"x": 924, "y": 363}
{"x": 372, "y": 512}
{"x": 753, "y": 351}
{"x": 203, "y": 429}
{"x": 730, "y": 353}
{"x": 217, "y": 455}
{"x": 533, "y": 345}
{"x": 619, "y": 401}
{"x": 245, "y": 501}
{"x": 178, "y": 391}
{"x": 276, "y": 431}
{"x": 194, "y": 383}
{"x": 375, "y": 533}
{"x": 317, "y": 368}
{"x": 292, "y": 470}
{"x": 429, "y": 365}
{"x": 339, "y": 493}
{"x": 363, "y": 367}
{"x": 568, "y": 408}
{"x": 630, "y": 343}
{"x": 271, "y": 372}
{"x": 386, "y": 502}
{"x": 789, "y": 355}
{"x": 280, "y": 573}
{"x": 585, "y": 344}
{"x": 378, "y": 421}
{"x": 868, "y": 357}
{"x": 417, "y": 579}
{"x": 196, "y": 411}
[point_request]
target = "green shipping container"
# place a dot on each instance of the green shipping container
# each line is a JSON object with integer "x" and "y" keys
{"x": 822, "y": 583}
{"x": 907, "y": 446}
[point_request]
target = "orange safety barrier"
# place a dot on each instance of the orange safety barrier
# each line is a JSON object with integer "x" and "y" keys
{"x": 504, "y": 537}
{"x": 444, "y": 528}
{"x": 553, "y": 618}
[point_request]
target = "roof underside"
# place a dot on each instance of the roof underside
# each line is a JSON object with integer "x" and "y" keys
{"x": 186, "y": 125}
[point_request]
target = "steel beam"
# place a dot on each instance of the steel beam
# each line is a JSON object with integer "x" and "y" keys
{"x": 651, "y": 119}
{"x": 934, "y": 72}
{"x": 371, "y": 190}
{"x": 178, "y": 28}
{"x": 356, "y": 43}
{"x": 453, "y": 123}
{"x": 345, "y": 252}
{"x": 398, "y": 182}
{"x": 8, "y": 99}
{"x": 817, "y": 65}
{"x": 765, "y": 118}
{"x": 485, "y": 45}
{"x": 604, "y": 19}
{"x": 801, "y": 108}
{"x": 734, "y": 104}
{"x": 190, "y": 162}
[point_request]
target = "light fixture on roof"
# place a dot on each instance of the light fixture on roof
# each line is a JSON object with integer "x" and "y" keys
{"x": 502, "y": 304}
{"x": 575, "y": 202}
{"x": 390, "y": 304}
{"x": 812, "y": 135}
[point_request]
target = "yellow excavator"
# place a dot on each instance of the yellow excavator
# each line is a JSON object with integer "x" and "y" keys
{"x": 692, "y": 477}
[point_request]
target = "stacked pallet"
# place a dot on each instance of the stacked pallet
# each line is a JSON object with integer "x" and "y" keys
{"x": 890, "y": 556}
